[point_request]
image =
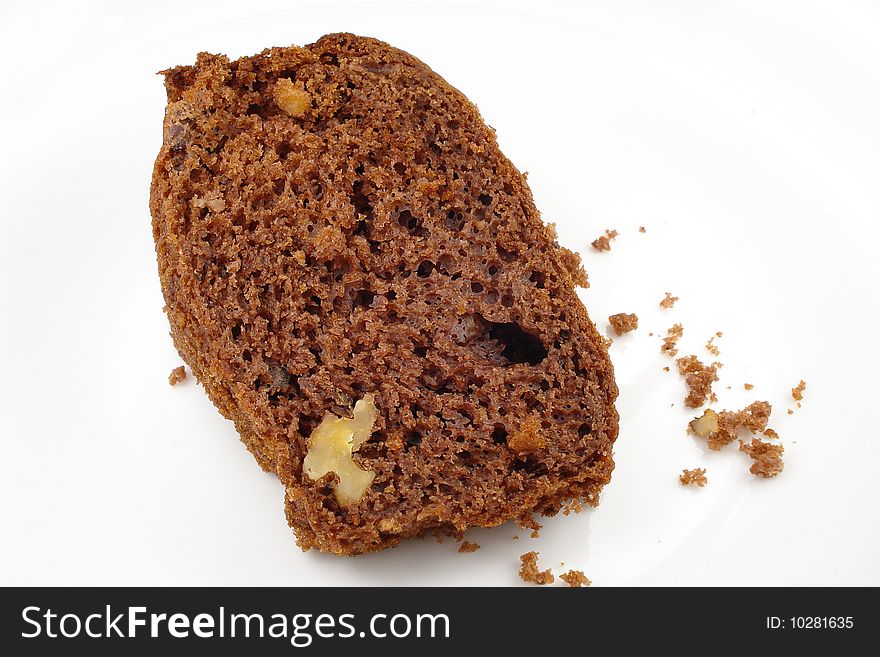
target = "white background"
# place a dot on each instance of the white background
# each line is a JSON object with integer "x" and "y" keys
{"x": 744, "y": 136}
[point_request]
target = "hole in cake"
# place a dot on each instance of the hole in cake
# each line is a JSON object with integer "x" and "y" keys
{"x": 519, "y": 346}
{"x": 539, "y": 279}
{"x": 499, "y": 434}
{"x": 330, "y": 59}
{"x": 425, "y": 269}
{"x": 476, "y": 288}
{"x": 485, "y": 199}
{"x": 529, "y": 466}
{"x": 359, "y": 199}
{"x": 506, "y": 256}
{"x": 400, "y": 168}
{"x": 412, "y": 224}
{"x": 454, "y": 220}
{"x": 307, "y": 425}
{"x": 236, "y": 332}
{"x": 585, "y": 429}
{"x": 421, "y": 352}
{"x": 364, "y": 298}
{"x": 411, "y": 438}
{"x": 507, "y": 301}
{"x": 501, "y": 343}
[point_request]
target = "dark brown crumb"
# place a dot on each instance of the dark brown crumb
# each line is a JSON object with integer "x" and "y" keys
{"x": 790, "y": 412}
{"x": 693, "y": 477}
{"x": 797, "y": 393}
{"x": 467, "y": 546}
{"x": 722, "y": 428}
{"x": 748, "y": 386}
{"x": 642, "y": 229}
{"x": 673, "y": 335}
{"x": 603, "y": 242}
{"x": 668, "y": 301}
{"x": 766, "y": 456}
{"x": 529, "y": 570}
{"x": 770, "y": 433}
{"x": 575, "y": 579}
{"x": 177, "y": 375}
{"x": 623, "y": 322}
{"x": 666, "y": 369}
{"x": 699, "y": 378}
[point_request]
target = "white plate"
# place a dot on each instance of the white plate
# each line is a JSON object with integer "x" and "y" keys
{"x": 746, "y": 143}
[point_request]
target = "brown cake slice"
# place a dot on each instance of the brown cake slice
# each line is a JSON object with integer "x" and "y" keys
{"x": 361, "y": 281}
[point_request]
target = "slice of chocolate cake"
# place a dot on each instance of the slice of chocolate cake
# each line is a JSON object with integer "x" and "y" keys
{"x": 362, "y": 283}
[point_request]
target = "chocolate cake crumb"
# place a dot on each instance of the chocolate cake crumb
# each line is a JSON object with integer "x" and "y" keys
{"x": 529, "y": 570}
{"x": 603, "y": 242}
{"x": 710, "y": 345}
{"x": 673, "y": 335}
{"x": 668, "y": 301}
{"x": 748, "y": 386}
{"x": 766, "y": 456}
{"x": 642, "y": 229}
{"x": 529, "y": 522}
{"x": 797, "y": 393}
{"x": 575, "y": 579}
{"x": 623, "y": 323}
{"x": 666, "y": 369}
{"x": 699, "y": 378}
{"x": 177, "y": 375}
{"x": 693, "y": 477}
{"x": 770, "y": 433}
{"x": 468, "y": 546}
{"x": 573, "y": 506}
{"x": 722, "y": 428}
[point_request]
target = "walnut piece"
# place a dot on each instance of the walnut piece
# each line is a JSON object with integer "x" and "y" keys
{"x": 705, "y": 425}
{"x": 292, "y": 99}
{"x": 331, "y": 446}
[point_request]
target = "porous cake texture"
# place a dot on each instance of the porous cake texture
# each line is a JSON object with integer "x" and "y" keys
{"x": 334, "y": 222}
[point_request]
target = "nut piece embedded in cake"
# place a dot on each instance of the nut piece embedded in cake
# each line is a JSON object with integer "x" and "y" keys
{"x": 331, "y": 446}
{"x": 291, "y": 98}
